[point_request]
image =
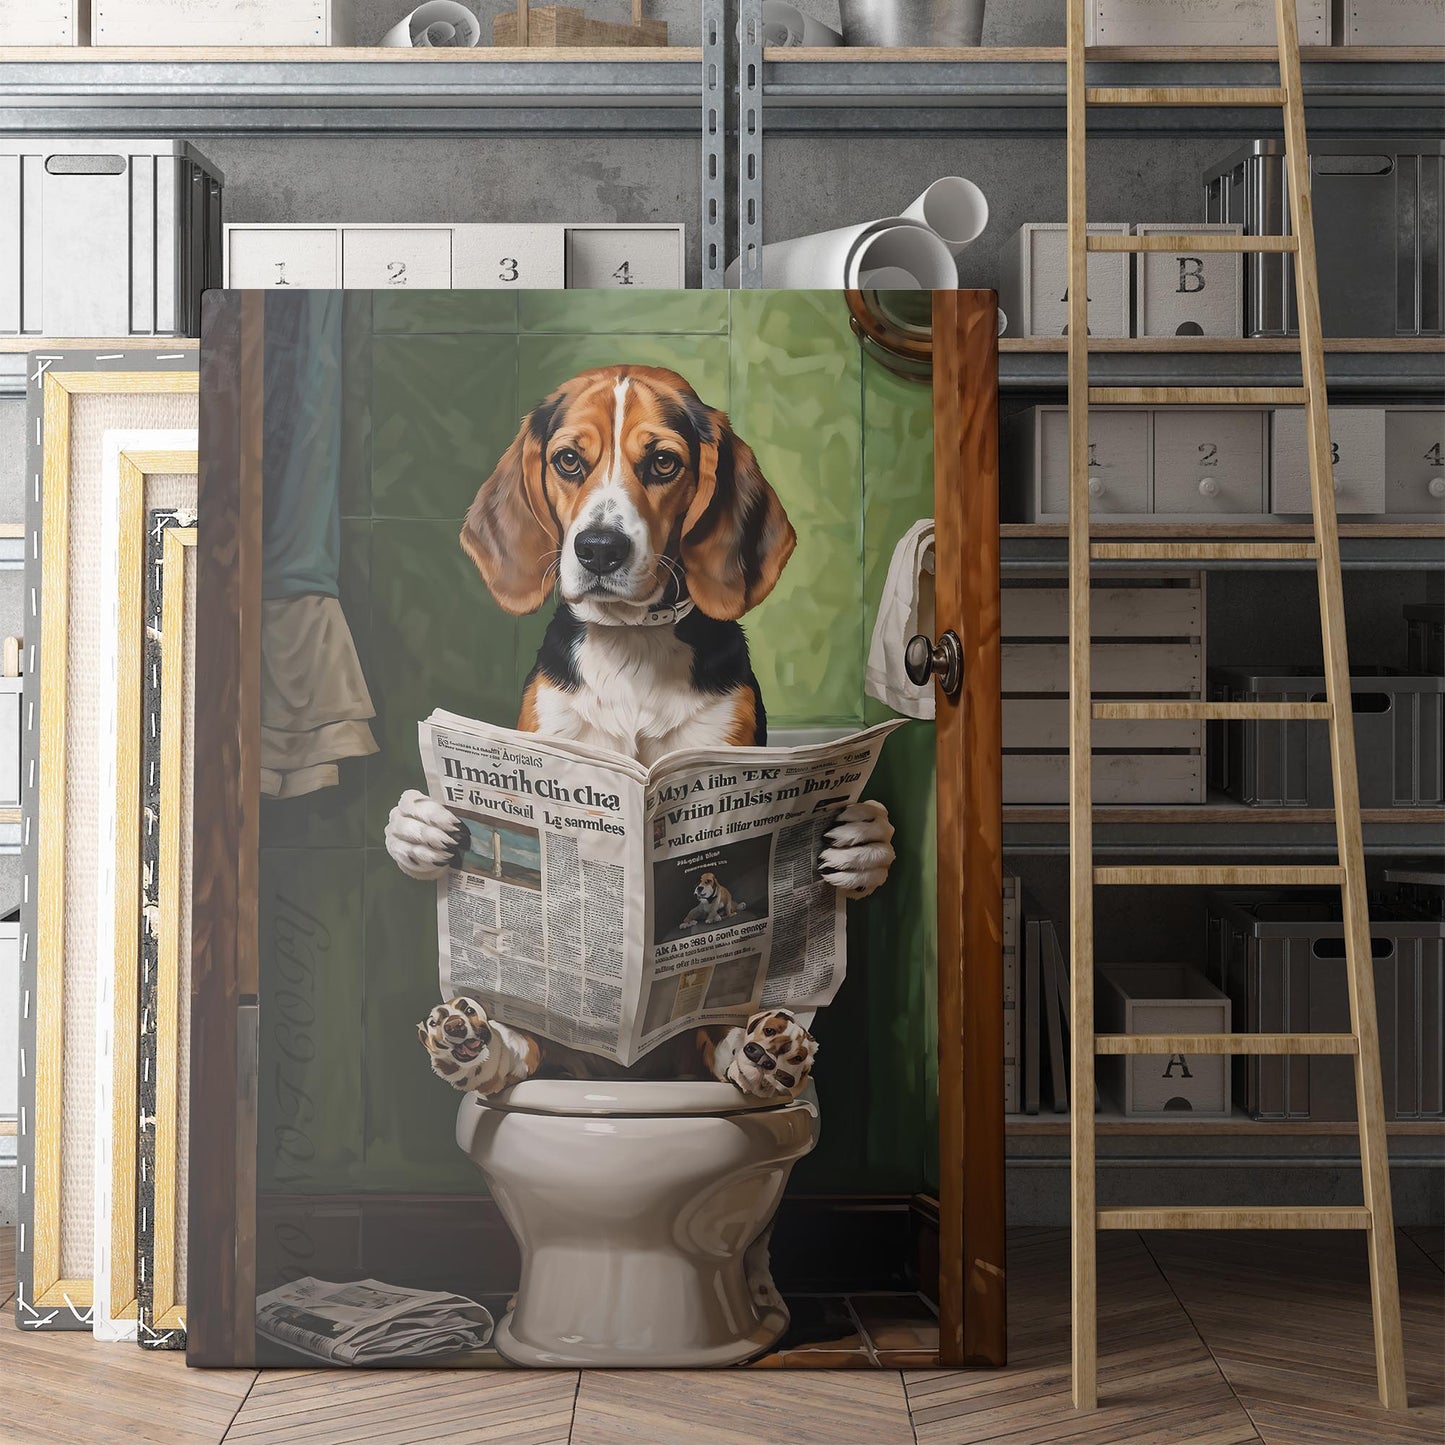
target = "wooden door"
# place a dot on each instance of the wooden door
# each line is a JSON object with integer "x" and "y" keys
{"x": 970, "y": 833}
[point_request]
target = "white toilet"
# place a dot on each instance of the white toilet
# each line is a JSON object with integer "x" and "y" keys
{"x": 634, "y": 1205}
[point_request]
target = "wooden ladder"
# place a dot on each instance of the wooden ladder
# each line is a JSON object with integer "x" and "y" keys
{"x": 1376, "y": 1217}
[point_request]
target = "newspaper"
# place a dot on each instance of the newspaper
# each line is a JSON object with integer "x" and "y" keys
{"x": 368, "y": 1322}
{"x": 609, "y": 906}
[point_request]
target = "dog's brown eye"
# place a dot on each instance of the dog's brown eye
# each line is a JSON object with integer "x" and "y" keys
{"x": 568, "y": 462}
{"x": 663, "y": 466}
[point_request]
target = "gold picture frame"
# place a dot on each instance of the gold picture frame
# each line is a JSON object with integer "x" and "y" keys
{"x": 74, "y": 399}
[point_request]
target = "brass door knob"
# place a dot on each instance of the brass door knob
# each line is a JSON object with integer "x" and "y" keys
{"x": 922, "y": 660}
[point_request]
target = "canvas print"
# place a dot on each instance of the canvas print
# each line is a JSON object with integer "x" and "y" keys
{"x": 594, "y": 895}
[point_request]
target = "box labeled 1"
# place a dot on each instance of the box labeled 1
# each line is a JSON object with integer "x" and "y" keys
{"x": 1189, "y": 293}
{"x": 302, "y": 257}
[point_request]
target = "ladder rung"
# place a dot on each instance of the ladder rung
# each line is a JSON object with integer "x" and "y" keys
{"x": 1186, "y": 241}
{"x": 1198, "y": 395}
{"x": 1206, "y": 551}
{"x": 1227, "y": 876}
{"x": 1211, "y": 710}
{"x": 1223, "y": 1217}
{"x": 1185, "y": 95}
{"x": 1265, "y": 1044}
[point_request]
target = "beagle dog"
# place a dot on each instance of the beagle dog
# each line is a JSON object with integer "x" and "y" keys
{"x": 714, "y": 903}
{"x": 638, "y": 505}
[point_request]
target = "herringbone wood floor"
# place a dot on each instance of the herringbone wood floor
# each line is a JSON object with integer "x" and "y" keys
{"x": 1205, "y": 1340}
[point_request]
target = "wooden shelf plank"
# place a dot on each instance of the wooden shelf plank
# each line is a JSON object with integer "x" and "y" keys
{"x": 1027, "y": 1126}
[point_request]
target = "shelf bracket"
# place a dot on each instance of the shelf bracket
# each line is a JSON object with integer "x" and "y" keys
{"x": 750, "y": 143}
{"x": 715, "y": 83}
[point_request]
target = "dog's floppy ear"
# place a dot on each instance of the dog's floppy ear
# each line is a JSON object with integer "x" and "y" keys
{"x": 510, "y": 532}
{"x": 736, "y": 537}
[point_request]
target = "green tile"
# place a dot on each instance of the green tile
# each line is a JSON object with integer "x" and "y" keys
{"x": 443, "y": 410}
{"x": 309, "y": 1132}
{"x": 437, "y": 640}
{"x": 796, "y": 401}
{"x": 628, "y": 312}
{"x": 420, "y": 313}
{"x": 335, "y": 817}
{"x": 545, "y": 362}
{"x": 410, "y": 1114}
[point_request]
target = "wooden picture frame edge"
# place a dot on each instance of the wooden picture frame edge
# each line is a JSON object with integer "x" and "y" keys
{"x": 51, "y": 1296}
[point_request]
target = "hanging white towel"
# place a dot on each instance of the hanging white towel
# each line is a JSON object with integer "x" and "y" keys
{"x": 905, "y": 609}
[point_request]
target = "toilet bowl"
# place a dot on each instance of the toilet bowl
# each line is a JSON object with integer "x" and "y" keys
{"x": 635, "y": 1205}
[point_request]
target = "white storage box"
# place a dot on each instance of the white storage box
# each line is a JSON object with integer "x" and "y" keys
{"x": 1389, "y": 22}
{"x": 1415, "y": 460}
{"x": 1151, "y": 998}
{"x": 462, "y": 257}
{"x": 44, "y": 22}
{"x": 1198, "y": 293}
{"x": 1201, "y": 22}
{"x": 1036, "y": 462}
{"x": 220, "y": 22}
{"x": 1208, "y": 462}
{"x": 106, "y": 237}
{"x": 1357, "y": 444}
{"x": 1033, "y": 285}
{"x": 601, "y": 256}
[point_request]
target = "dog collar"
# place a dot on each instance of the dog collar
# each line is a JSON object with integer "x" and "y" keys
{"x": 666, "y": 616}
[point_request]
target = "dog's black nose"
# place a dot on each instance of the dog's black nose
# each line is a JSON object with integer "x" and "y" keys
{"x": 757, "y": 1054}
{"x": 602, "y": 550}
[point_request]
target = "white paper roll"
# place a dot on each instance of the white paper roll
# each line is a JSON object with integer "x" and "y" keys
{"x": 954, "y": 209}
{"x": 437, "y": 25}
{"x": 1002, "y": 321}
{"x": 831, "y": 260}
{"x": 786, "y": 25}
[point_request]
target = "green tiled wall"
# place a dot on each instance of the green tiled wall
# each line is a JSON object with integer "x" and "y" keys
{"x": 436, "y": 385}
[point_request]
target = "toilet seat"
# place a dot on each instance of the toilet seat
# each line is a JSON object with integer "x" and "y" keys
{"x": 638, "y": 1098}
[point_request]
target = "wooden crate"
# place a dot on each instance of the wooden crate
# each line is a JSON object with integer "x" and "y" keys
{"x": 44, "y": 22}
{"x": 1201, "y": 22}
{"x": 1148, "y": 636}
{"x": 554, "y": 26}
{"x": 220, "y": 22}
{"x": 1155, "y": 998}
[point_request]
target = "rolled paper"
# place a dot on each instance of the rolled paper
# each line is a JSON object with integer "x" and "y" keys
{"x": 437, "y": 25}
{"x": 1002, "y": 321}
{"x": 832, "y": 260}
{"x": 954, "y": 209}
{"x": 786, "y": 25}
{"x": 888, "y": 278}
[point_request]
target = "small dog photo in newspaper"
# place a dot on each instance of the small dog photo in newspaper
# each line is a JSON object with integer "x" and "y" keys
{"x": 711, "y": 889}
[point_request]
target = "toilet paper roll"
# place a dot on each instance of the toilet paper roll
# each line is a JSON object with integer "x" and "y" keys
{"x": 437, "y": 25}
{"x": 833, "y": 260}
{"x": 954, "y": 209}
{"x": 786, "y": 25}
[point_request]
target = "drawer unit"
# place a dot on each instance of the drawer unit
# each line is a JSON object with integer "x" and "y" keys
{"x": 1209, "y": 462}
{"x": 648, "y": 257}
{"x": 1357, "y": 448}
{"x": 1389, "y": 22}
{"x": 1399, "y": 739}
{"x": 462, "y": 257}
{"x": 106, "y": 237}
{"x": 1201, "y": 22}
{"x": 220, "y": 22}
{"x": 1034, "y": 282}
{"x": 1415, "y": 460}
{"x": 501, "y": 258}
{"x": 307, "y": 257}
{"x": 1036, "y": 459}
{"x": 44, "y": 22}
{"x": 1425, "y": 637}
{"x": 1151, "y": 998}
{"x": 1281, "y": 959}
{"x": 376, "y": 258}
{"x": 1183, "y": 293}
{"x": 1377, "y": 212}
{"x": 1148, "y": 636}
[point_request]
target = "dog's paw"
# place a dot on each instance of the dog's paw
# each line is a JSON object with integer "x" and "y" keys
{"x": 860, "y": 849}
{"x": 457, "y": 1036}
{"x": 770, "y": 1058}
{"x": 423, "y": 838}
